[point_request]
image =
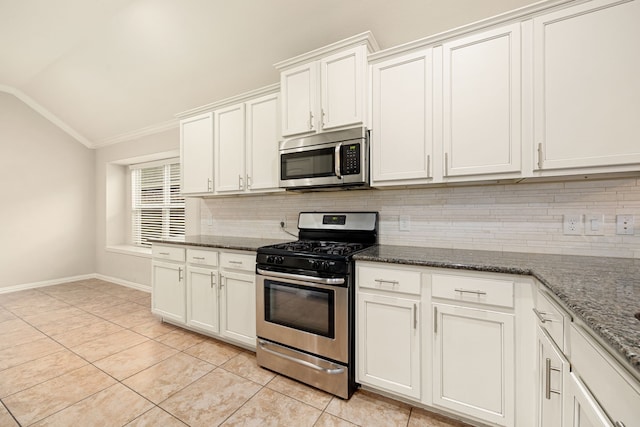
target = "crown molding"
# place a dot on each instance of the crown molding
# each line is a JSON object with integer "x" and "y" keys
{"x": 47, "y": 114}
{"x": 266, "y": 90}
{"x": 138, "y": 133}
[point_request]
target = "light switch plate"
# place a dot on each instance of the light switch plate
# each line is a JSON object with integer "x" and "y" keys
{"x": 594, "y": 225}
{"x": 405, "y": 223}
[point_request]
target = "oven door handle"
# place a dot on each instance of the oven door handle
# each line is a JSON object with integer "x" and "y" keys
{"x": 320, "y": 280}
{"x": 263, "y": 346}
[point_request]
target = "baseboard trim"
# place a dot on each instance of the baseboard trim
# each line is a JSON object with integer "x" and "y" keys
{"x": 35, "y": 285}
{"x": 123, "y": 282}
{"x": 44, "y": 283}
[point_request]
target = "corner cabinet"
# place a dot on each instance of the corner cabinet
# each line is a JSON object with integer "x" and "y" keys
{"x": 586, "y": 86}
{"x": 196, "y": 154}
{"x": 326, "y": 89}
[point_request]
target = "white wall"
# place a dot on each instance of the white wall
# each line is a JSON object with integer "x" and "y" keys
{"x": 524, "y": 217}
{"x": 47, "y": 214}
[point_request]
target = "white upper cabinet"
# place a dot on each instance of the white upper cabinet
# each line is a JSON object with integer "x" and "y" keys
{"x": 229, "y": 145}
{"x": 246, "y": 146}
{"x": 402, "y": 137}
{"x": 325, "y": 89}
{"x": 196, "y": 154}
{"x": 586, "y": 86}
{"x": 481, "y": 103}
{"x": 262, "y": 137}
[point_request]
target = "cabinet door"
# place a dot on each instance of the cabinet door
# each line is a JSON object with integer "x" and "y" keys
{"x": 298, "y": 86}
{"x": 473, "y": 362}
{"x": 238, "y": 307}
{"x": 402, "y": 137}
{"x": 168, "y": 293}
{"x": 581, "y": 409}
{"x": 552, "y": 370}
{"x": 263, "y": 134}
{"x": 229, "y": 141}
{"x": 196, "y": 154}
{"x": 481, "y": 103}
{"x": 388, "y": 350}
{"x": 587, "y": 90}
{"x": 342, "y": 78}
{"x": 202, "y": 298}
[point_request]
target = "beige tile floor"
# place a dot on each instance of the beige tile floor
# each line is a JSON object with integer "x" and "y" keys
{"x": 90, "y": 353}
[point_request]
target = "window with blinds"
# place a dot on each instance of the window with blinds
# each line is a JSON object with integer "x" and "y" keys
{"x": 157, "y": 206}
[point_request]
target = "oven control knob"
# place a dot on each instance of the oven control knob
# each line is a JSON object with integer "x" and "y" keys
{"x": 324, "y": 265}
{"x": 314, "y": 264}
{"x": 279, "y": 260}
{"x": 270, "y": 259}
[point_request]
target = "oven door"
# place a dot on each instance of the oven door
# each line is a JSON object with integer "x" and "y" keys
{"x": 304, "y": 313}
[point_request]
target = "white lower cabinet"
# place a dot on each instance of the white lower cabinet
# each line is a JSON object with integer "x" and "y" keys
{"x": 202, "y": 297}
{"x": 168, "y": 297}
{"x": 582, "y": 410}
{"x": 473, "y": 362}
{"x": 201, "y": 294}
{"x": 553, "y": 369}
{"x": 238, "y": 297}
{"x": 389, "y": 343}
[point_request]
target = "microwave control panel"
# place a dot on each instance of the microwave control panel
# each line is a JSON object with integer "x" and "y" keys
{"x": 350, "y": 156}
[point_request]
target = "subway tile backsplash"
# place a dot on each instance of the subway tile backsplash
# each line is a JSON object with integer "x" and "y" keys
{"x": 525, "y": 217}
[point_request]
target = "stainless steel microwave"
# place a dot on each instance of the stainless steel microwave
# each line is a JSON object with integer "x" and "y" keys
{"x": 328, "y": 160}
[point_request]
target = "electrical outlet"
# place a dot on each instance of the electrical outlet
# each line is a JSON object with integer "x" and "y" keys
{"x": 405, "y": 223}
{"x": 572, "y": 224}
{"x": 594, "y": 225}
{"x": 624, "y": 224}
{"x": 283, "y": 222}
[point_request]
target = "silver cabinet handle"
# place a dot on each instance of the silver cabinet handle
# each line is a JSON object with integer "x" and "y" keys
{"x": 164, "y": 253}
{"x": 235, "y": 262}
{"x": 240, "y": 182}
{"x": 435, "y": 320}
{"x": 415, "y": 316}
{"x": 428, "y": 165}
{"x": 322, "y": 117}
{"x": 393, "y": 283}
{"x": 548, "y": 369}
{"x": 540, "y": 156}
{"x": 541, "y": 315}
{"x": 179, "y": 274}
{"x": 209, "y": 184}
{"x": 310, "y": 120}
{"x": 212, "y": 280}
{"x": 248, "y": 181}
{"x": 446, "y": 164}
{"x": 201, "y": 258}
{"x": 469, "y": 291}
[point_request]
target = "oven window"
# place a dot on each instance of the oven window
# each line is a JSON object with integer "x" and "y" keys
{"x": 300, "y": 307}
{"x": 308, "y": 164}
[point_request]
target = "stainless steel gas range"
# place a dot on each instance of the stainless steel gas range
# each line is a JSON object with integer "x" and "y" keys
{"x": 305, "y": 299}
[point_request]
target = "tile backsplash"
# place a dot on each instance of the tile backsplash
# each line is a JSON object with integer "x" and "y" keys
{"x": 524, "y": 217}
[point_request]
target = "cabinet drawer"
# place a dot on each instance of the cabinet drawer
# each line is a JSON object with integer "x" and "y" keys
{"x": 551, "y": 318}
{"x": 236, "y": 261}
{"x": 201, "y": 257}
{"x": 170, "y": 253}
{"x": 613, "y": 388}
{"x": 473, "y": 289}
{"x": 389, "y": 279}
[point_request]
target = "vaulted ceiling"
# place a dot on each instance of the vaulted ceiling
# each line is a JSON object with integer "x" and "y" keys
{"x": 105, "y": 70}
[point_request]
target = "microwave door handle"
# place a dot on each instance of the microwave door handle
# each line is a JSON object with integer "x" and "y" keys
{"x": 337, "y": 160}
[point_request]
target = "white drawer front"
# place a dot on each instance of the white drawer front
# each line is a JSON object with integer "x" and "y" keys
{"x": 201, "y": 257}
{"x": 238, "y": 261}
{"x": 473, "y": 289}
{"x": 170, "y": 253}
{"x": 387, "y": 278}
{"x": 551, "y": 318}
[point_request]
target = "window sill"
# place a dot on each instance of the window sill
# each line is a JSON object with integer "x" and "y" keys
{"x": 130, "y": 250}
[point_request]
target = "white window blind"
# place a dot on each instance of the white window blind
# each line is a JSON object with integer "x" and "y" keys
{"x": 157, "y": 206}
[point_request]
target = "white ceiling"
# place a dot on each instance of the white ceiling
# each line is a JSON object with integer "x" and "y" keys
{"x": 106, "y": 70}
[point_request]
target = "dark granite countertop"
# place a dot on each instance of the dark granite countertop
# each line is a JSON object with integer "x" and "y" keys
{"x": 224, "y": 242}
{"x": 603, "y": 292}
